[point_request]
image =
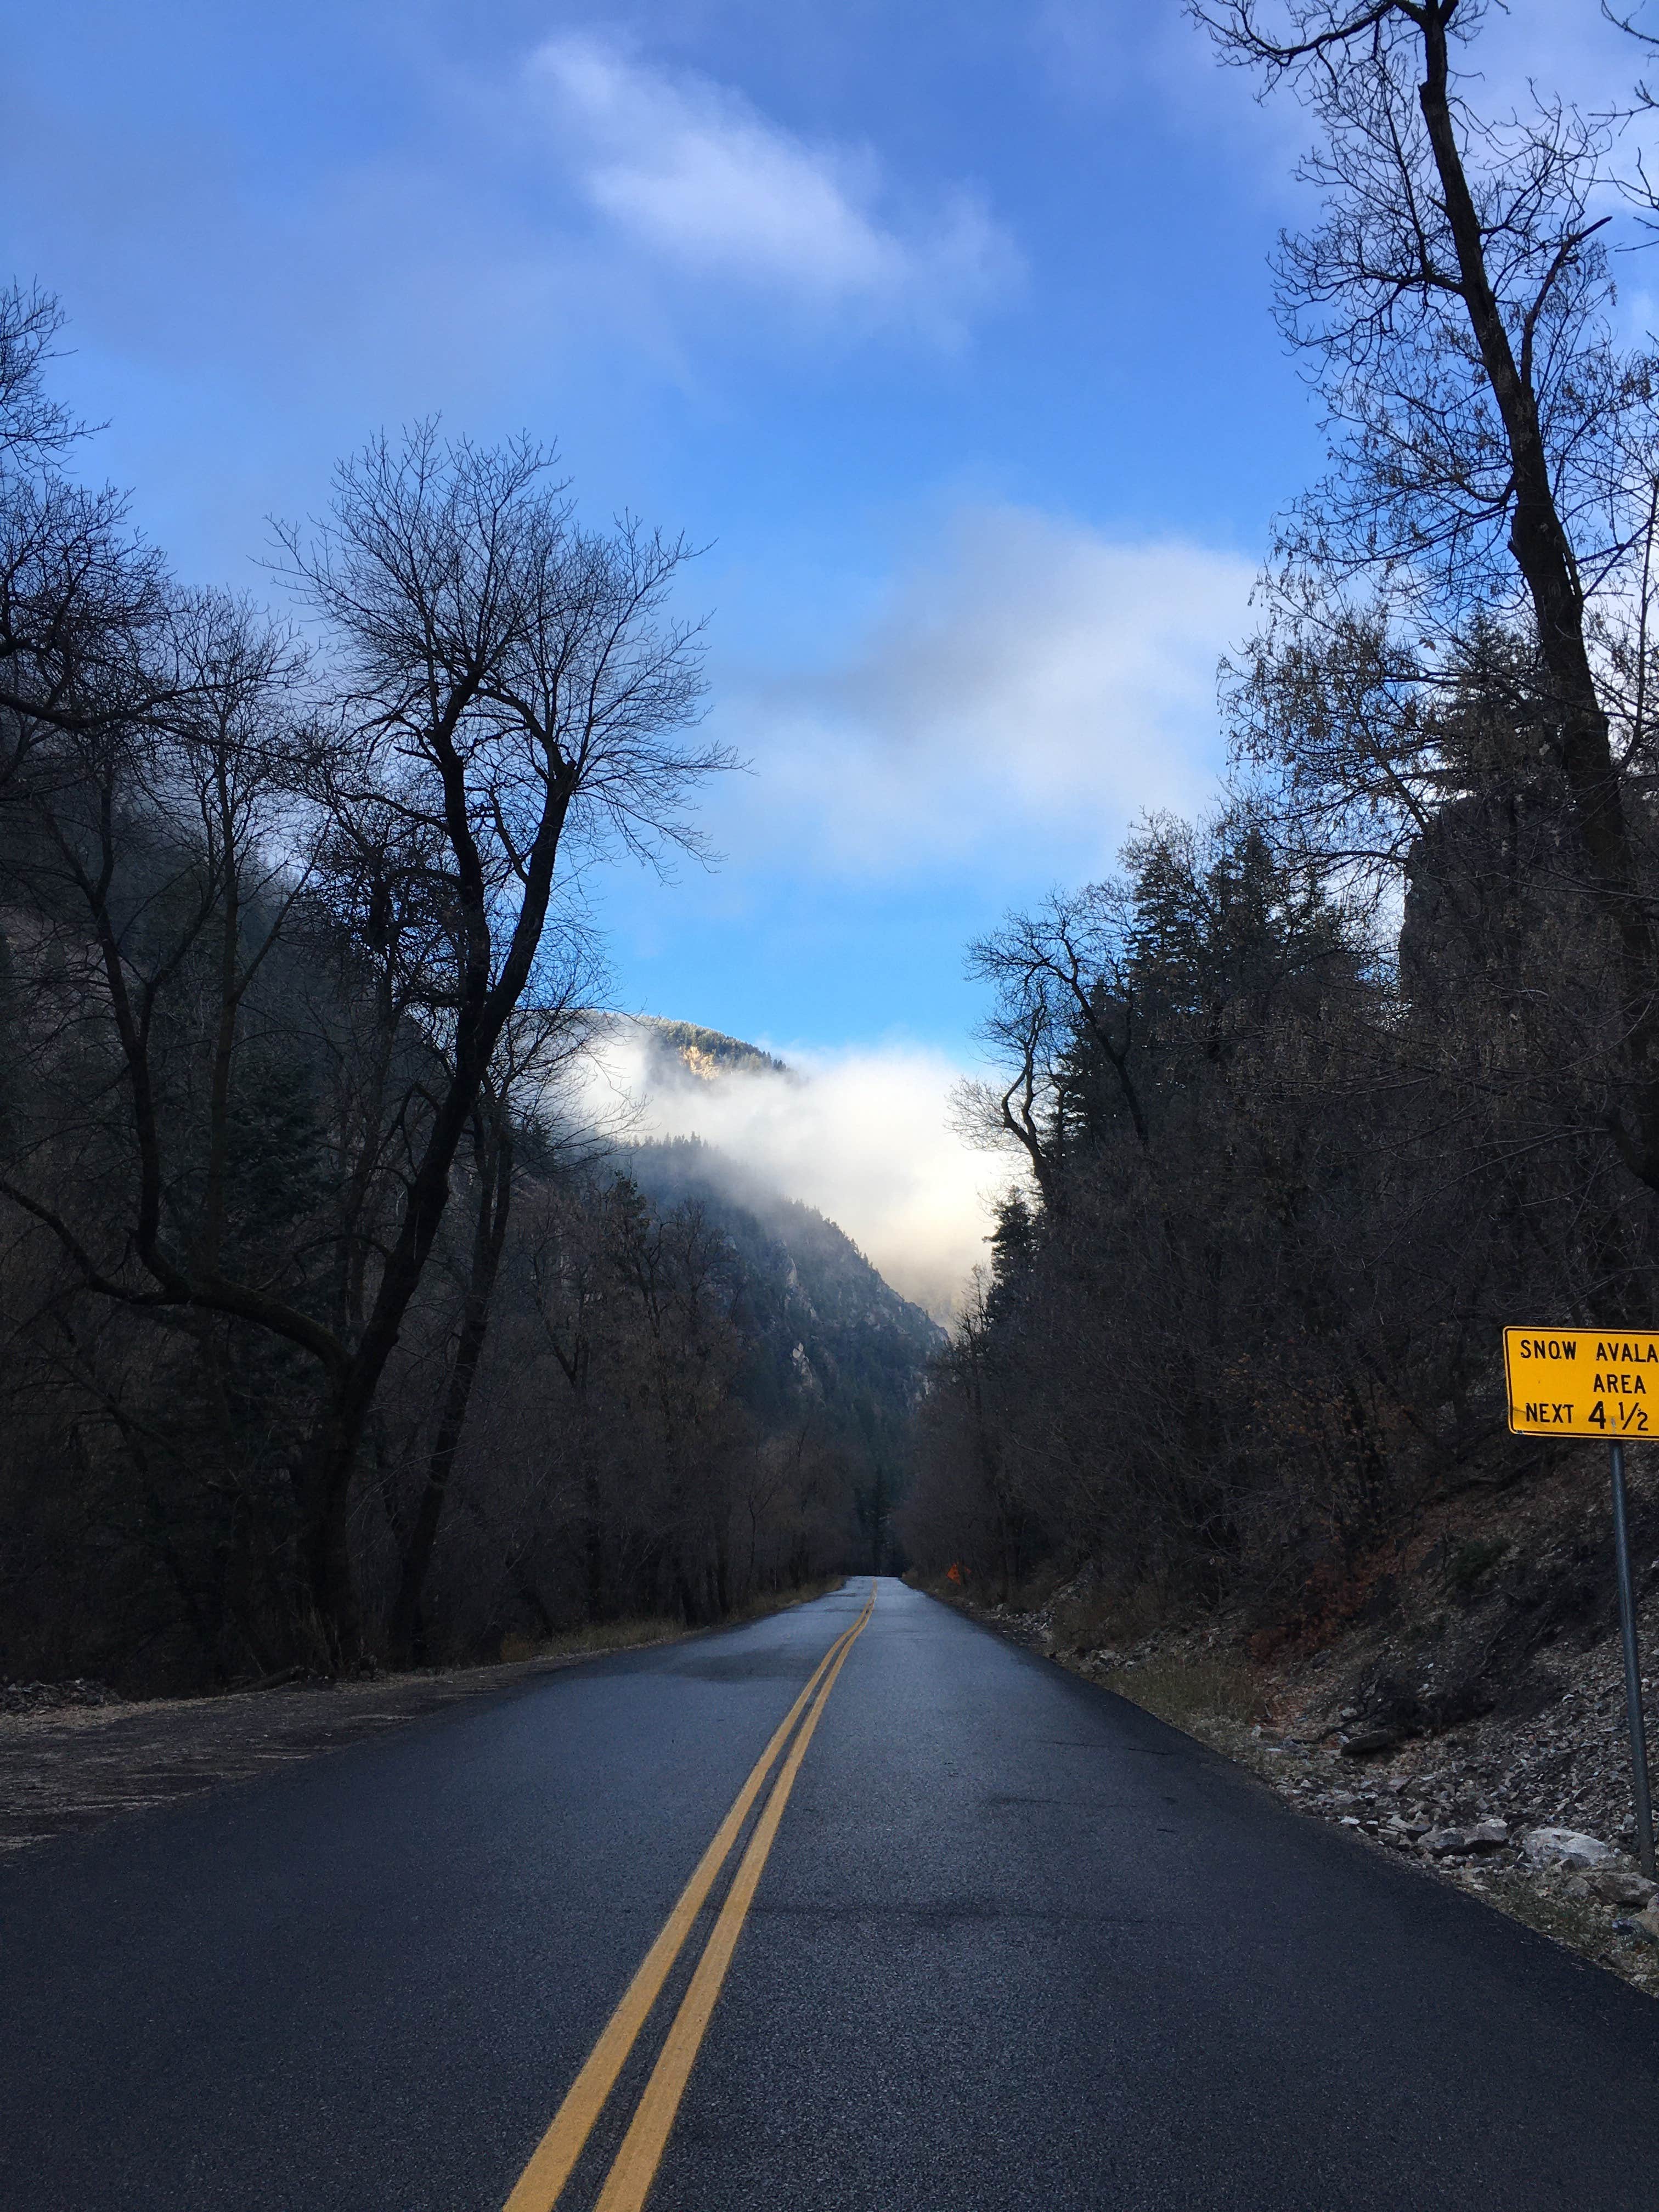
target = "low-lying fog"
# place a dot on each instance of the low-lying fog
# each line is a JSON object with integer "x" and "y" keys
{"x": 862, "y": 1135}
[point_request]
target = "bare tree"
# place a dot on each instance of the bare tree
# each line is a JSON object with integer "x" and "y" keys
{"x": 508, "y": 695}
{"x": 1484, "y": 424}
{"x": 86, "y": 636}
{"x": 34, "y": 425}
{"x": 144, "y": 906}
{"x": 1058, "y": 973}
{"x": 508, "y": 682}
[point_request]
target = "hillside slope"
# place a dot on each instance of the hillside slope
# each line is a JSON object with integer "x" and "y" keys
{"x": 821, "y": 1319}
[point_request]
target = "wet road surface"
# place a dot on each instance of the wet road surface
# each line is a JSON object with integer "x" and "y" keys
{"x": 1007, "y": 1943}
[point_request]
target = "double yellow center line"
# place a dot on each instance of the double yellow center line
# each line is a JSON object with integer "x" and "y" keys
{"x": 635, "y": 2164}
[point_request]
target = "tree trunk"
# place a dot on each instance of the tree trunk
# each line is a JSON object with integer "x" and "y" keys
{"x": 494, "y": 1148}
{"x": 325, "y": 1545}
{"x": 593, "y": 1545}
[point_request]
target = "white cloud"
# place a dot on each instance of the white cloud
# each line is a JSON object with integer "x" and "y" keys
{"x": 690, "y": 171}
{"x": 1037, "y": 688}
{"x": 860, "y": 1133}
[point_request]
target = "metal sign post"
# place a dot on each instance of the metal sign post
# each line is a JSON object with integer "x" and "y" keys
{"x": 1601, "y": 1384}
{"x": 1639, "y": 1740}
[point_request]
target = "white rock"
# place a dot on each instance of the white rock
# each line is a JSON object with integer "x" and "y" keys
{"x": 1565, "y": 1847}
{"x": 1487, "y": 1835}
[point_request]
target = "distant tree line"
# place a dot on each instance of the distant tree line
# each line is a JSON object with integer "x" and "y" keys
{"x": 327, "y": 1336}
{"x": 1323, "y": 1088}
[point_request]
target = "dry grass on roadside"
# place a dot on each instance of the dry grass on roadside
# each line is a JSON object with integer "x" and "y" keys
{"x": 1099, "y": 1620}
{"x": 1578, "y": 1923}
{"x": 632, "y": 1635}
{"x": 1215, "y": 1697}
{"x": 1192, "y": 1694}
{"x": 758, "y": 1608}
{"x": 593, "y": 1636}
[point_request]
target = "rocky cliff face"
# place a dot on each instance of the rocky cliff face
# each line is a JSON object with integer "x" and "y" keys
{"x": 706, "y": 1053}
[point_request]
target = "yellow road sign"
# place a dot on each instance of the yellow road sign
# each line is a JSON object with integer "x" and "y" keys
{"x": 1599, "y": 1383}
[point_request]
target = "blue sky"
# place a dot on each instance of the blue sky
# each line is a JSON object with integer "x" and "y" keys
{"x": 947, "y": 332}
{"x": 926, "y": 322}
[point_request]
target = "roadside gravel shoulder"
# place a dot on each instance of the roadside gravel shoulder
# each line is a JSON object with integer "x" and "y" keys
{"x": 74, "y": 1767}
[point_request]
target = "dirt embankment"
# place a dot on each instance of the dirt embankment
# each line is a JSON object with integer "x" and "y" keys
{"x": 73, "y": 1766}
{"x": 1458, "y": 1701}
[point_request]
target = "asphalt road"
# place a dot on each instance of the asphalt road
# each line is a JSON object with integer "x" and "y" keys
{"x": 1016, "y": 1944}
